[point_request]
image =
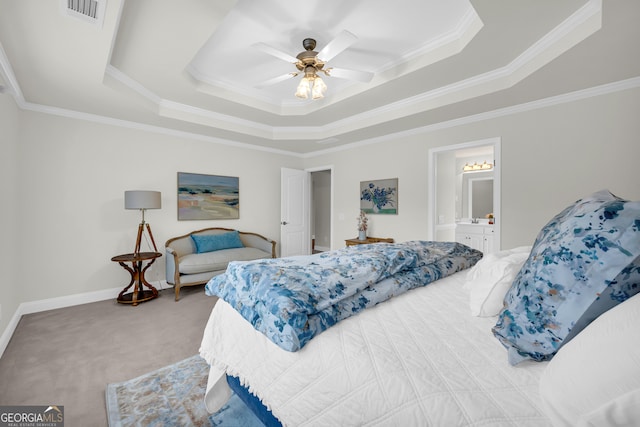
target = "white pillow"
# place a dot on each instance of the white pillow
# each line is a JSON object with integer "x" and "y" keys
{"x": 490, "y": 279}
{"x": 594, "y": 379}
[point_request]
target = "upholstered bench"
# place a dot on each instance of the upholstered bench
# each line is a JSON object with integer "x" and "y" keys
{"x": 194, "y": 258}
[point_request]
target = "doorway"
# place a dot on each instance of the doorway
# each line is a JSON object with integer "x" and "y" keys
{"x": 321, "y": 210}
{"x": 306, "y": 206}
{"x": 451, "y": 192}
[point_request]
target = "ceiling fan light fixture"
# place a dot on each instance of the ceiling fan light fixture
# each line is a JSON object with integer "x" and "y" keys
{"x": 319, "y": 88}
{"x": 310, "y": 63}
{"x": 304, "y": 88}
{"x": 311, "y": 84}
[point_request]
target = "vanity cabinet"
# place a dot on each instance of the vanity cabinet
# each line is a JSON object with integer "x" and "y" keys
{"x": 476, "y": 236}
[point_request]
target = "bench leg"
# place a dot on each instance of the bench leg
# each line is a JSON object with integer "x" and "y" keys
{"x": 177, "y": 288}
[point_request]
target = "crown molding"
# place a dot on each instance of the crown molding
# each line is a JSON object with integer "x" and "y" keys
{"x": 582, "y": 23}
{"x": 576, "y": 27}
{"x": 448, "y": 44}
{"x": 605, "y": 89}
{"x": 78, "y": 115}
{"x": 6, "y": 72}
{"x": 588, "y": 17}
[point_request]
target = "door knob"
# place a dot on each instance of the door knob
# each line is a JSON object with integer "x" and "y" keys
{"x": 284, "y": 223}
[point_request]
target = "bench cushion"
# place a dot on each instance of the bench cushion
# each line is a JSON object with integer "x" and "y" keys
{"x": 218, "y": 260}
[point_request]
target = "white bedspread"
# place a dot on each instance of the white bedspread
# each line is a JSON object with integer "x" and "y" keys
{"x": 419, "y": 359}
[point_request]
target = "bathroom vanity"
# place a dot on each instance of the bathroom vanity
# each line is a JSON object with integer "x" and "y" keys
{"x": 477, "y": 236}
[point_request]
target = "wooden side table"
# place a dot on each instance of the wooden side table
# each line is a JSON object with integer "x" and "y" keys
{"x": 137, "y": 270}
{"x": 356, "y": 241}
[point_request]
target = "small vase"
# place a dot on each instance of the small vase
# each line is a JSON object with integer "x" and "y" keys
{"x": 362, "y": 235}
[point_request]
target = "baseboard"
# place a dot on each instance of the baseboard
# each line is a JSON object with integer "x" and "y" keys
{"x": 67, "y": 301}
{"x": 52, "y": 304}
{"x": 8, "y": 332}
{"x": 322, "y": 248}
{"x": 161, "y": 285}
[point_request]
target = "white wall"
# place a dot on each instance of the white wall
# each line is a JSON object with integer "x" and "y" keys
{"x": 11, "y": 281}
{"x": 72, "y": 216}
{"x": 550, "y": 157}
{"x": 446, "y": 194}
{"x": 66, "y": 179}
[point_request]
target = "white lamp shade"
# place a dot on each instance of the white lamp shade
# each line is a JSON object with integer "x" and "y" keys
{"x": 142, "y": 199}
{"x": 303, "y": 88}
{"x": 319, "y": 88}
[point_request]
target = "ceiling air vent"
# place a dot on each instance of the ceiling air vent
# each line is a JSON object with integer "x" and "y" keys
{"x": 91, "y": 11}
{"x": 85, "y": 7}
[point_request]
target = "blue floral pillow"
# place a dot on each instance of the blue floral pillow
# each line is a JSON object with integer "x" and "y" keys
{"x": 585, "y": 261}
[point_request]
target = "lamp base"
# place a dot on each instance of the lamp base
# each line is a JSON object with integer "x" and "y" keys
{"x": 139, "y": 237}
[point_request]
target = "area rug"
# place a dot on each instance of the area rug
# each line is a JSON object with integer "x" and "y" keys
{"x": 172, "y": 396}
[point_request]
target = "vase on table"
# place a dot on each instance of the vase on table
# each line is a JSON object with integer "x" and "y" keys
{"x": 362, "y": 235}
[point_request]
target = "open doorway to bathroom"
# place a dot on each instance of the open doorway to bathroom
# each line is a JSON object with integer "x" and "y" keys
{"x": 321, "y": 196}
{"x": 464, "y": 194}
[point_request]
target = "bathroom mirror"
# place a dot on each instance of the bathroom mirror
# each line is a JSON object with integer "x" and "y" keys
{"x": 480, "y": 197}
{"x": 475, "y": 193}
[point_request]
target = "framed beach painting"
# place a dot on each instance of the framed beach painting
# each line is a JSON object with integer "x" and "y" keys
{"x": 208, "y": 196}
{"x": 379, "y": 196}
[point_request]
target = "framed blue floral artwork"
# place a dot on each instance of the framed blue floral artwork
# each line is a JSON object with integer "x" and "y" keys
{"x": 379, "y": 196}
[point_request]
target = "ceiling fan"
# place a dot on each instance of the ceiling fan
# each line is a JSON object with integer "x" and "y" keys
{"x": 311, "y": 63}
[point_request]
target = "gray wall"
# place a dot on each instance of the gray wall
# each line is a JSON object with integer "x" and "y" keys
{"x": 10, "y": 228}
{"x": 63, "y": 216}
{"x": 550, "y": 157}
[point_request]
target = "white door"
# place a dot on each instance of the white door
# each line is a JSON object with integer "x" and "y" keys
{"x": 295, "y": 218}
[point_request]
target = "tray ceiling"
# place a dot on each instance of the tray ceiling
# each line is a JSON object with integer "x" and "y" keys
{"x": 193, "y": 66}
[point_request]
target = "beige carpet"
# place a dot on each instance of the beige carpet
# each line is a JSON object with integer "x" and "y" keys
{"x": 68, "y": 356}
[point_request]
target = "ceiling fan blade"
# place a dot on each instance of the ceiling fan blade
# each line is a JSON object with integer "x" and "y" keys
{"x": 341, "y": 73}
{"x": 337, "y": 45}
{"x": 275, "y": 52}
{"x": 275, "y": 80}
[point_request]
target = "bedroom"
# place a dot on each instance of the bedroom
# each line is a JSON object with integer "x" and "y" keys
{"x": 64, "y": 173}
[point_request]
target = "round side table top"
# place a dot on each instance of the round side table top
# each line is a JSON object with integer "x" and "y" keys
{"x": 133, "y": 257}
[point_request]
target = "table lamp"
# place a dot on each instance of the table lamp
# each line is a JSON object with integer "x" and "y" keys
{"x": 143, "y": 200}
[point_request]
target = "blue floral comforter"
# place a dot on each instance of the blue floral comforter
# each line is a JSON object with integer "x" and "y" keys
{"x": 290, "y": 300}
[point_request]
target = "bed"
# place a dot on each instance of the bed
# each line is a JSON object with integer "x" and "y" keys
{"x": 455, "y": 352}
